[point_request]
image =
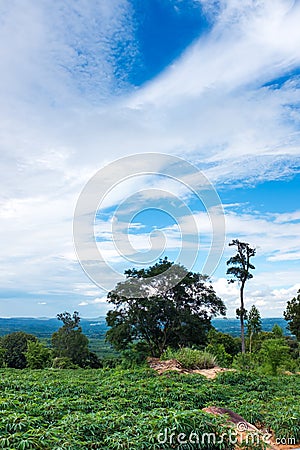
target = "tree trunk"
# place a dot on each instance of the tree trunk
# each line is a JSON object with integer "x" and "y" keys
{"x": 242, "y": 317}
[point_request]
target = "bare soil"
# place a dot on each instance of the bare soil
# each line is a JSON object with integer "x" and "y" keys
{"x": 172, "y": 364}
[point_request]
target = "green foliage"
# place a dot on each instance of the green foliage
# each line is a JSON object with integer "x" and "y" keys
{"x": 135, "y": 355}
{"x": 240, "y": 264}
{"x": 274, "y": 353}
{"x": 292, "y": 315}
{"x": 244, "y": 362}
{"x": 294, "y": 346}
{"x": 178, "y": 316}
{"x": 15, "y": 346}
{"x": 93, "y": 361}
{"x": 69, "y": 341}
{"x": 70, "y": 322}
{"x": 127, "y": 409}
{"x": 277, "y": 331}
{"x": 37, "y": 355}
{"x": 63, "y": 362}
{"x": 191, "y": 358}
{"x": 223, "y": 359}
{"x": 2, "y": 353}
{"x": 223, "y": 346}
{"x": 253, "y": 325}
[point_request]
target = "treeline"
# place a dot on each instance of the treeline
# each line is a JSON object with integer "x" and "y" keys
{"x": 69, "y": 348}
{"x": 165, "y": 311}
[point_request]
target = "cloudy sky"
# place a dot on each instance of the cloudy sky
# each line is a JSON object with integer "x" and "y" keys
{"x": 84, "y": 83}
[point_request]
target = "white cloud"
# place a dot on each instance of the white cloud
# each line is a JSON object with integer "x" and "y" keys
{"x": 262, "y": 295}
{"x": 100, "y": 300}
{"x": 61, "y": 121}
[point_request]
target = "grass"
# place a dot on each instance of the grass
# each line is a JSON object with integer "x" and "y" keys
{"x": 191, "y": 359}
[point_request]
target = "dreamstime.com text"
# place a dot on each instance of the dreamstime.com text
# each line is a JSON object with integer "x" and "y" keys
{"x": 240, "y": 434}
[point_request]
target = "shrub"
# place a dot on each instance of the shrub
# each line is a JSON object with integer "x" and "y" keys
{"x": 231, "y": 344}
{"x": 93, "y": 361}
{"x": 274, "y": 353}
{"x": 37, "y": 355}
{"x": 222, "y": 357}
{"x": 63, "y": 363}
{"x": 244, "y": 362}
{"x": 170, "y": 353}
{"x": 135, "y": 355}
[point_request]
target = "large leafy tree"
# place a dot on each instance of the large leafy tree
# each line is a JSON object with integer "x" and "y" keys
{"x": 292, "y": 315}
{"x": 15, "y": 347}
{"x": 239, "y": 270}
{"x": 174, "y": 309}
{"x": 69, "y": 341}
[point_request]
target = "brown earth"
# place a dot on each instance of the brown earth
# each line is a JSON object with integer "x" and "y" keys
{"x": 172, "y": 364}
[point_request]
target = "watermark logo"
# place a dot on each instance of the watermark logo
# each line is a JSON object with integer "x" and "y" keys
{"x": 241, "y": 434}
{"x": 133, "y": 184}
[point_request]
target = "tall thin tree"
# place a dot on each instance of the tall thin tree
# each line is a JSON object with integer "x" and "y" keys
{"x": 239, "y": 270}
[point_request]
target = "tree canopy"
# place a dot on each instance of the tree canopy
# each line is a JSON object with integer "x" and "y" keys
{"x": 174, "y": 310}
{"x": 15, "y": 346}
{"x": 69, "y": 341}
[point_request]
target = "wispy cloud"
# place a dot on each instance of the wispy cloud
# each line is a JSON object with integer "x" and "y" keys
{"x": 230, "y": 104}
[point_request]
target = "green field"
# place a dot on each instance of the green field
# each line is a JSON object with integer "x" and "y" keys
{"x": 127, "y": 409}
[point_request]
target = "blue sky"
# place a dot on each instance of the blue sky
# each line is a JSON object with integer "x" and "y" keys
{"x": 85, "y": 83}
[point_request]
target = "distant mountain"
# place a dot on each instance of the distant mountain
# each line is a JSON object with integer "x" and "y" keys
{"x": 43, "y": 327}
{"x": 232, "y": 326}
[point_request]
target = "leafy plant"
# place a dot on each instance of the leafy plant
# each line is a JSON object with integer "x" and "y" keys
{"x": 37, "y": 355}
{"x": 109, "y": 409}
{"x": 218, "y": 351}
{"x": 244, "y": 362}
{"x": 274, "y": 352}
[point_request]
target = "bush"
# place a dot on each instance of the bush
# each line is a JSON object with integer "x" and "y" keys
{"x": 92, "y": 361}
{"x": 231, "y": 344}
{"x": 218, "y": 350}
{"x": 191, "y": 358}
{"x": 135, "y": 355}
{"x": 244, "y": 362}
{"x": 274, "y": 353}
{"x": 37, "y": 356}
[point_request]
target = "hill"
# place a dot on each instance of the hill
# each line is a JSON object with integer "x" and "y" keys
{"x": 96, "y": 328}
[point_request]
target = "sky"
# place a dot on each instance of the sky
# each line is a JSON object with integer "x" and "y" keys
{"x": 85, "y": 84}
